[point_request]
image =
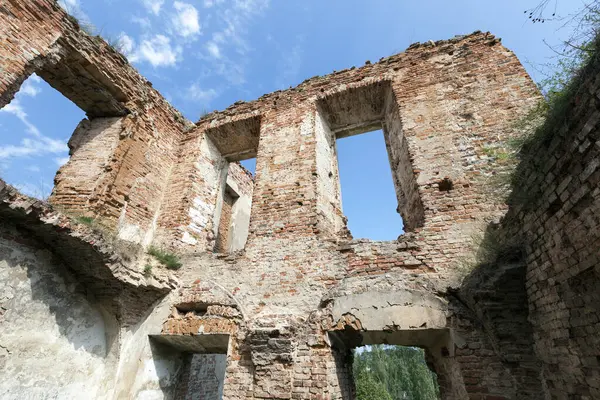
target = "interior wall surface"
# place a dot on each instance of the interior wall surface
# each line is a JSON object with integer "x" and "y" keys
{"x": 54, "y": 341}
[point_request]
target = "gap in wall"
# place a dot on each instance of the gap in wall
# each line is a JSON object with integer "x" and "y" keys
{"x": 250, "y": 165}
{"x": 34, "y": 129}
{"x": 234, "y": 207}
{"x": 392, "y": 373}
{"x": 368, "y": 196}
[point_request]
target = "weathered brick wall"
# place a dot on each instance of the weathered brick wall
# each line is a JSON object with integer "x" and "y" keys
{"x": 125, "y": 187}
{"x": 222, "y": 241}
{"x": 447, "y": 101}
{"x": 553, "y": 221}
{"x": 278, "y": 302}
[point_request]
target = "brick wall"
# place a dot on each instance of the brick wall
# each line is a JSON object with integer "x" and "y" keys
{"x": 553, "y": 221}
{"x": 156, "y": 178}
{"x": 446, "y": 102}
{"x": 126, "y": 185}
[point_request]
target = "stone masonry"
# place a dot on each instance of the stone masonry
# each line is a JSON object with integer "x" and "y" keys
{"x": 273, "y": 292}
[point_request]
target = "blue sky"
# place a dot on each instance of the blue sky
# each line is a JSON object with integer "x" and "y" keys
{"x": 203, "y": 55}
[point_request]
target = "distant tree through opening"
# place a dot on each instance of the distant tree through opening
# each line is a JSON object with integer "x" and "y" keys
{"x": 386, "y": 372}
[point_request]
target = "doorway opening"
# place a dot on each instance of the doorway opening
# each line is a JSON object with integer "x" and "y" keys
{"x": 34, "y": 130}
{"x": 202, "y": 376}
{"x": 390, "y": 372}
{"x": 189, "y": 366}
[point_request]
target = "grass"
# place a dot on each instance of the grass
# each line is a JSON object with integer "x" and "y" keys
{"x": 169, "y": 260}
{"x": 85, "y": 220}
{"x": 148, "y": 270}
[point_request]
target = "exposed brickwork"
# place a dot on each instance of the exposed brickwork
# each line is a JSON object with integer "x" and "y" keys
{"x": 127, "y": 184}
{"x": 553, "y": 222}
{"x": 224, "y": 223}
{"x": 288, "y": 308}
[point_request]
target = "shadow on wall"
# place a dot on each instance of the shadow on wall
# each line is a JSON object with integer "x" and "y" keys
{"x": 343, "y": 370}
{"x": 37, "y": 292}
{"x": 496, "y": 291}
{"x": 162, "y": 377}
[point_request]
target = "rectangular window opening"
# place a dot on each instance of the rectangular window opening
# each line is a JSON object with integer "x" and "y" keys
{"x": 393, "y": 372}
{"x": 368, "y": 193}
{"x": 35, "y": 128}
{"x": 191, "y": 367}
{"x": 235, "y": 205}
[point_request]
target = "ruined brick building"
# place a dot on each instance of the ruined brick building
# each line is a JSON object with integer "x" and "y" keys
{"x": 274, "y": 293}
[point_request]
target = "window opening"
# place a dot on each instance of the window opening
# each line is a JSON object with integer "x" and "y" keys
{"x": 31, "y": 148}
{"x": 393, "y": 372}
{"x": 234, "y": 208}
{"x": 250, "y": 165}
{"x": 368, "y": 195}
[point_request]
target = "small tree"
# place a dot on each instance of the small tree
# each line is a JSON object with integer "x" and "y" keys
{"x": 368, "y": 388}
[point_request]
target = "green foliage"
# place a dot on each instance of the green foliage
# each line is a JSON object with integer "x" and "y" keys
{"x": 169, "y": 260}
{"x": 148, "y": 270}
{"x": 367, "y": 388}
{"x": 85, "y": 220}
{"x": 402, "y": 371}
{"x": 548, "y": 116}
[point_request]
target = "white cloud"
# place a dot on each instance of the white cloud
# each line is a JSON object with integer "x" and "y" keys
{"x": 60, "y": 161}
{"x": 158, "y": 51}
{"x": 28, "y": 87}
{"x": 203, "y": 96}
{"x": 39, "y": 191}
{"x": 213, "y": 49}
{"x": 127, "y": 44}
{"x": 33, "y": 168}
{"x": 14, "y": 108}
{"x": 228, "y": 51}
{"x": 70, "y": 6}
{"x": 153, "y": 6}
{"x": 33, "y": 147}
{"x": 185, "y": 20}
{"x": 141, "y": 21}
{"x": 37, "y": 145}
{"x": 73, "y": 7}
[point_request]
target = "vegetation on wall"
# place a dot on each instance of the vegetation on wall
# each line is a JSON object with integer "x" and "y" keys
{"x": 561, "y": 78}
{"x": 169, "y": 260}
{"x": 393, "y": 372}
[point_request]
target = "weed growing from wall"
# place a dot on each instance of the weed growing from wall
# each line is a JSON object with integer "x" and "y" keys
{"x": 169, "y": 260}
